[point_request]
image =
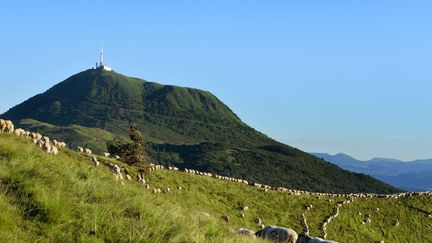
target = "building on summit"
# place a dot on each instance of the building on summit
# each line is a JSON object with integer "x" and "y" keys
{"x": 101, "y": 65}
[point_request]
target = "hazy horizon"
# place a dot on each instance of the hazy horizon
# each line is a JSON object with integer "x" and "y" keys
{"x": 329, "y": 76}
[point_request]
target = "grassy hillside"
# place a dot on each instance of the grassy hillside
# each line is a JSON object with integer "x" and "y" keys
{"x": 93, "y": 107}
{"x": 62, "y": 198}
{"x": 275, "y": 165}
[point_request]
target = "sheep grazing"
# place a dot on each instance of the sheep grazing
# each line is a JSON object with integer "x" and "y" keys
{"x": 257, "y": 185}
{"x": 9, "y": 127}
{"x": 37, "y": 136}
{"x": 80, "y": 149}
{"x": 303, "y": 238}
{"x": 248, "y": 232}
{"x": 6, "y": 126}
{"x": 117, "y": 171}
{"x": 245, "y": 208}
{"x": 277, "y": 234}
{"x": 46, "y": 146}
{"x": 305, "y": 224}
{"x": 107, "y": 154}
{"x": 329, "y": 219}
{"x": 95, "y": 162}
{"x": 140, "y": 178}
{"x": 62, "y": 145}
{"x": 127, "y": 175}
{"x": 19, "y": 132}
{"x": 53, "y": 150}
{"x": 157, "y": 190}
{"x": 87, "y": 151}
{"x": 2, "y": 125}
{"x": 40, "y": 143}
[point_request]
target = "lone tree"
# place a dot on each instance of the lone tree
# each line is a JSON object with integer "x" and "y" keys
{"x": 131, "y": 153}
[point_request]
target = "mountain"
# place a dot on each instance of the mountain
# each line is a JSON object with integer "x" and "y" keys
{"x": 408, "y": 175}
{"x": 185, "y": 127}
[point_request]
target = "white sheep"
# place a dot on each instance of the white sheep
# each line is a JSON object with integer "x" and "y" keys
{"x": 243, "y": 231}
{"x": 46, "y": 139}
{"x": 6, "y": 126}
{"x": 140, "y": 178}
{"x": 19, "y": 132}
{"x": 95, "y": 162}
{"x": 87, "y": 151}
{"x": 9, "y": 126}
{"x": 46, "y": 147}
{"x": 53, "y": 150}
{"x": 2, "y": 125}
{"x": 117, "y": 171}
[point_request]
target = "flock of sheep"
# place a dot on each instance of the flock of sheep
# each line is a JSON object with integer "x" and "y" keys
{"x": 275, "y": 233}
{"x": 50, "y": 147}
{"x": 299, "y": 192}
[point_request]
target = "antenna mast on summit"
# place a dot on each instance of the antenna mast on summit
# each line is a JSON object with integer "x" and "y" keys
{"x": 101, "y": 57}
{"x": 101, "y": 64}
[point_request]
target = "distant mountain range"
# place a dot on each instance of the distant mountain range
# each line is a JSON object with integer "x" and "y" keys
{"x": 185, "y": 127}
{"x": 409, "y": 175}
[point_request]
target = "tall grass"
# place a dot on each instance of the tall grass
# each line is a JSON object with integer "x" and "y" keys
{"x": 63, "y": 198}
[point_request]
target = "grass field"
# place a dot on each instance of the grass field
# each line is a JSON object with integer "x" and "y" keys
{"x": 63, "y": 198}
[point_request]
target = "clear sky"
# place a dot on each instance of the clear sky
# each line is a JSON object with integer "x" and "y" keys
{"x": 323, "y": 76}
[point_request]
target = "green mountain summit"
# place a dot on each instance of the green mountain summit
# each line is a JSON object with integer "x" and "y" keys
{"x": 186, "y": 127}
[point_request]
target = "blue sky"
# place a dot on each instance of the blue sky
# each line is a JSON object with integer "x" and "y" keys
{"x": 323, "y": 76}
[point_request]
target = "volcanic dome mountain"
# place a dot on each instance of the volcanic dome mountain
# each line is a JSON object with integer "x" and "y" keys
{"x": 185, "y": 127}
